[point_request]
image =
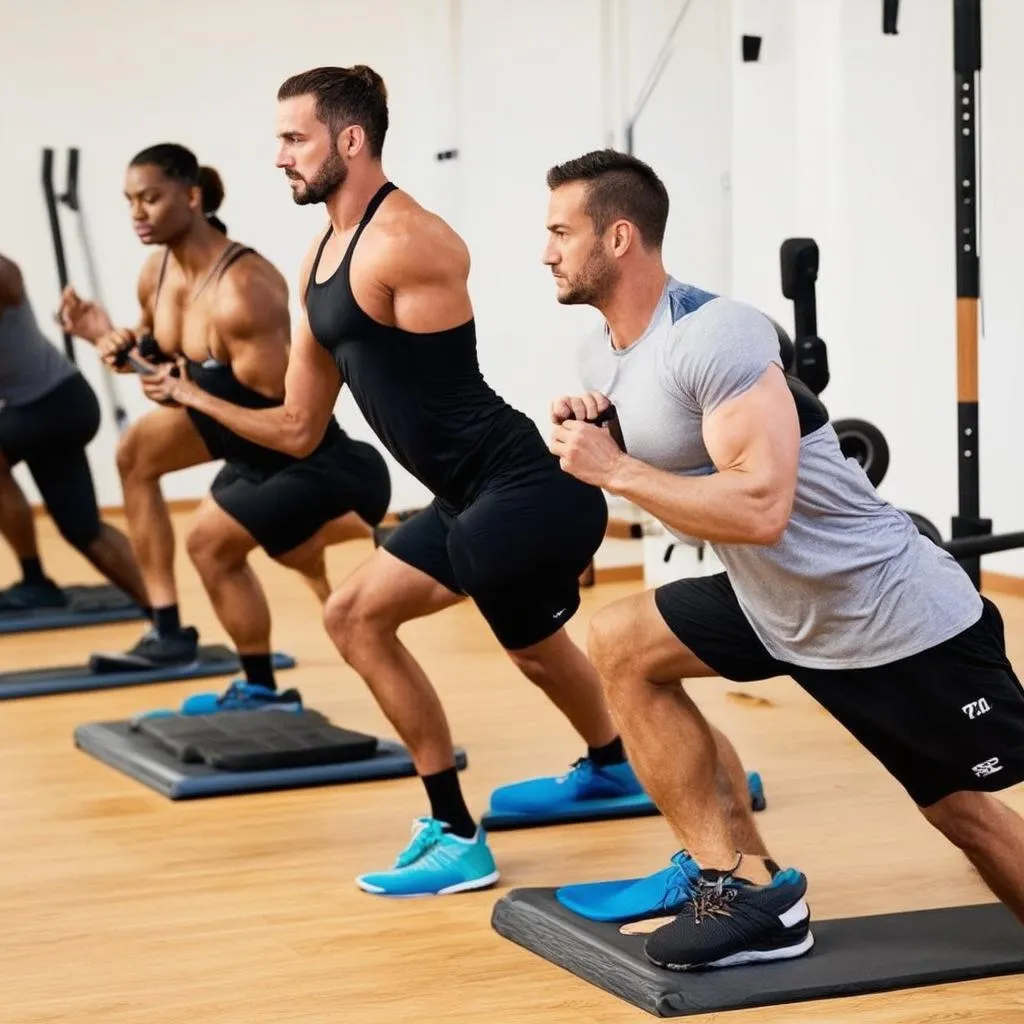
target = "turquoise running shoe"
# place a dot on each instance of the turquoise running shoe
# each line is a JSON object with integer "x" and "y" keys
{"x": 435, "y": 863}
{"x": 634, "y": 899}
{"x": 242, "y": 696}
{"x": 239, "y": 696}
{"x": 585, "y": 782}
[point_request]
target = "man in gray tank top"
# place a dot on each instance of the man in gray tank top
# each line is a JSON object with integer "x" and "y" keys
{"x": 48, "y": 415}
{"x": 824, "y": 581}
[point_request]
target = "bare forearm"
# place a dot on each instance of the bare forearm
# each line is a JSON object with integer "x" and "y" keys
{"x": 727, "y": 507}
{"x": 277, "y": 428}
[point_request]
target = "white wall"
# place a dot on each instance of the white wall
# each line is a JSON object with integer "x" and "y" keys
{"x": 685, "y": 129}
{"x": 838, "y": 132}
{"x": 118, "y": 77}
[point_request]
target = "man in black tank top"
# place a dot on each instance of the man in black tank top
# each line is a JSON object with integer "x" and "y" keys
{"x": 387, "y": 311}
{"x": 217, "y": 312}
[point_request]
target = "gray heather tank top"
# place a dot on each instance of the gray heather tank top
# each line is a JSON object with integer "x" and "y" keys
{"x": 30, "y": 366}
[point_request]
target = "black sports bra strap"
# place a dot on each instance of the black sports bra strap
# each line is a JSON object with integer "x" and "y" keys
{"x": 160, "y": 279}
{"x": 233, "y": 257}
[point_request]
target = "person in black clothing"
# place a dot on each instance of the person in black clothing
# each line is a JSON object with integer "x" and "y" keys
{"x": 218, "y": 312}
{"x": 49, "y": 415}
{"x": 387, "y": 311}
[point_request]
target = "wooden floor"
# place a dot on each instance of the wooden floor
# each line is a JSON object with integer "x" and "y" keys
{"x": 118, "y": 906}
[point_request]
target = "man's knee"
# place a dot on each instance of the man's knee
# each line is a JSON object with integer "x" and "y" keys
{"x": 609, "y": 644}
{"x": 212, "y": 549}
{"x": 355, "y": 615}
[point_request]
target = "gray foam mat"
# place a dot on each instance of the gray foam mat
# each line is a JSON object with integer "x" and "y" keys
{"x": 136, "y": 755}
{"x": 213, "y": 660}
{"x": 851, "y": 956}
{"x": 87, "y": 606}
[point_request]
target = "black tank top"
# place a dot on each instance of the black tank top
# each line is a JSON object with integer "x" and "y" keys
{"x": 422, "y": 393}
{"x": 219, "y": 380}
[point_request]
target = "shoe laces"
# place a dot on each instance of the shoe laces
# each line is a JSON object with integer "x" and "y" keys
{"x": 679, "y": 885}
{"x": 429, "y": 834}
{"x": 712, "y": 899}
{"x": 582, "y": 769}
{"x": 233, "y": 692}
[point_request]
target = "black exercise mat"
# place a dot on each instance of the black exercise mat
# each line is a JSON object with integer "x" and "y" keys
{"x": 120, "y": 746}
{"x": 246, "y": 741}
{"x": 851, "y": 956}
{"x": 212, "y": 660}
{"x": 87, "y": 606}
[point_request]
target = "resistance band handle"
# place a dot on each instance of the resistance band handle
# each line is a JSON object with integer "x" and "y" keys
{"x": 608, "y": 417}
{"x": 130, "y": 357}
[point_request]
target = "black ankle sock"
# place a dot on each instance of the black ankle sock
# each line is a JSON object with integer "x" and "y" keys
{"x": 147, "y": 610}
{"x": 32, "y": 570}
{"x": 610, "y": 753}
{"x": 166, "y": 620}
{"x": 447, "y": 803}
{"x": 258, "y": 670}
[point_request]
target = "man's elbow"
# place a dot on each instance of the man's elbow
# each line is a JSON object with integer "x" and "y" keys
{"x": 770, "y": 519}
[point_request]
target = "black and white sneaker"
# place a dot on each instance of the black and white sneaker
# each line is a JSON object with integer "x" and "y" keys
{"x": 728, "y": 922}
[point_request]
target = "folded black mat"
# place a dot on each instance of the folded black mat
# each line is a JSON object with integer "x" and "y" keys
{"x": 247, "y": 741}
{"x": 851, "y": 956}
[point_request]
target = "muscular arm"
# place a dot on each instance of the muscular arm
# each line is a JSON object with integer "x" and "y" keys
{"x": 423, "y": 265}
{"x": 754, "y": 442}
{"x": 12, "y": 288}
{"x": 311, "y": 379}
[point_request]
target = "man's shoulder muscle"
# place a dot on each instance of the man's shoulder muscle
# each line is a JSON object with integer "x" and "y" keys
{"x": 413, "y": 243}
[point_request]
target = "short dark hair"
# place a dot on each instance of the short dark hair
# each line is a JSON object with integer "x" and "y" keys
{"x": 179, "y": 163}
{"x": 344, "y": 97}
{"x": 619, "y": 185}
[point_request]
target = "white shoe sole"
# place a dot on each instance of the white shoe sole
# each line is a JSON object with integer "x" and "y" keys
{"x": 476, "y": 883}
{"x": 751, "y": 956}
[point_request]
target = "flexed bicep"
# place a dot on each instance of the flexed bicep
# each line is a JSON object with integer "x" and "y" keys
{"x": 757, "y": 434}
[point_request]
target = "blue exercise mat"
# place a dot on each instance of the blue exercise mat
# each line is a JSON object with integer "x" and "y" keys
{"x": 212, "y": 660}
{"x": 87, "y": 606}
{"x": 639, "y": 806}
{"x": 119, "y": 745}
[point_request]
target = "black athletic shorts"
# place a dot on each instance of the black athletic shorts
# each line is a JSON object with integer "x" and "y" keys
{"x": 518, "y": 549}
{"x": 50, "y": 436}
{"x": 950, "y": 718}
{"x": 284, "y": 509}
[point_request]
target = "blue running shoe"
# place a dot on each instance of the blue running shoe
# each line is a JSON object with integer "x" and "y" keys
{"x": 634, "y": 899}
{"x": 435, "y": 863}
{"x": 585, "y": 781}
{"x": 242, "y": 696}
{"x": 239, "y": 696}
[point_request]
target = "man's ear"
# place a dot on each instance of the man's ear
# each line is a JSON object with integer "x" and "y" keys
{"x": 351, "y": 141}
{"x": 623, "y": 237}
